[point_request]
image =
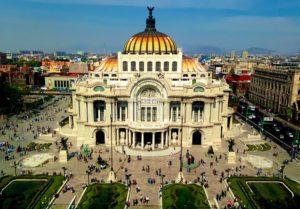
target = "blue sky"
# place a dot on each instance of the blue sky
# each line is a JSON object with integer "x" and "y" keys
{"x": 105, "y": 25}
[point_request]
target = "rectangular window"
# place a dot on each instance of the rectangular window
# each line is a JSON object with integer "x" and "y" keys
{"x": 101, "y": 113}
{"x": 166, "y": 66}
{"x": 174, "y": 114}
{"x": 154, "y": 114}
{"x": 143, "y": 114}
{"x": 133, "y": 66}
{"x": 125, "y": 66}
{"x": 174, "y": 66}
{"x": 123, "y": 114}
{"x": 149, "y": 66}
{"x": 148, "y": 113}
{"x": 157, "y": 66}
{"x": 195, "y": 114}
{"x": 141, "y": 66}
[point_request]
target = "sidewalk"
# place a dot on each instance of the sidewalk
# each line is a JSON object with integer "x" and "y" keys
{"x": 145, "y": 153}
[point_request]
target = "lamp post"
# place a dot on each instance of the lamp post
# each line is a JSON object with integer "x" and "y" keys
{"x": 64, "y": 170}
{"x": 111, "y": 150}
{"x": 112, "y": 176}
{"x": 162, "y": 184}
{"x": 180, "y": 168}
{"x": 88, "y": 175}
{"x": 14, "y": 165}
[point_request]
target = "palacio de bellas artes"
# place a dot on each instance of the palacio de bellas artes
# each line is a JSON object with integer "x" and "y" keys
{"x": 150, "y": 96}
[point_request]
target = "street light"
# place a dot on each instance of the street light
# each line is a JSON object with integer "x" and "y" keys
{"x": 64, "y": 170}
{"x": 111, "y": 150}
{"x": 88, "y": 175}
{"x": 180, "y": 168}
{"x": 14, "y": 165}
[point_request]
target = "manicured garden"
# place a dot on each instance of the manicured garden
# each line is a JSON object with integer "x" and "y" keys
{"x": 266, "y": 192}
{"x": 180, "y": 196}
{"x": 110, "y": 196}
{"x": 258, "y": 147}
{"x": 28, "y": 191}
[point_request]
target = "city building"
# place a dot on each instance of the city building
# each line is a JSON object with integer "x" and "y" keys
{"x": 60, "y": 81}
{"x": 150, "y": 96}
{"x": 239, "y": 81}
{"x": 277, "y": 89}
{"x": 2, "y": 58}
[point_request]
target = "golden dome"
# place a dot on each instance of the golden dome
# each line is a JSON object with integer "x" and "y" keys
{"x": 190, "y": 64}
{"x": 150, "y": 41}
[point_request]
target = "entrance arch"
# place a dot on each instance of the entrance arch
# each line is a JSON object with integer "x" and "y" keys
{"x": 197, "y": 138}
{"x": 100, "y": 137}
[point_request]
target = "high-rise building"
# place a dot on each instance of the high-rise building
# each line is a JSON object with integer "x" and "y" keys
{"x": 245, "y": 55}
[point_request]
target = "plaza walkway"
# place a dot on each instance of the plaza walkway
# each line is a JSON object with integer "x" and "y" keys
{"x": 155, "y": 160}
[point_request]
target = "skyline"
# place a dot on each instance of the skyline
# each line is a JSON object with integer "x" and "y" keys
{"x": 105, "y": 26}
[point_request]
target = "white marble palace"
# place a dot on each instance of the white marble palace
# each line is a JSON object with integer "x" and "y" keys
{"x": 150, "y": 96}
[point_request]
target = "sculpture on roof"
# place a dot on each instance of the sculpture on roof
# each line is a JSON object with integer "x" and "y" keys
{"x": 150, "y": 9}
{"x": 150, "y": 22}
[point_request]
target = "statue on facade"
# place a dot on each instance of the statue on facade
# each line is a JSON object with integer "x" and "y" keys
{"x": 122, "y": 137}
{"x": 174, "y": 138}
{"x": 149, "y": 93}
{"x": 231, "y": 143}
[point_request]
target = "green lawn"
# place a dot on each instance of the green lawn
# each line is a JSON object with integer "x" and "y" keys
{"x": 14, "y": 199}
{"x": 183, "y": 196}
{"x": 271, "y": 191}
{"x": 28, "y": 194}
{"x": 108, "y": 196}
{"x": 267, "y": 194}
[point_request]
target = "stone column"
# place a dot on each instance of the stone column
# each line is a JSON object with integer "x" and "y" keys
{"x": 120, "y": 115}
{"x": 130, "y": 112}
{"x": 129, "y": 138}
{"x": 133, "y": 144}
{"x": 153, "y": 140}
{"x": 70, "y": 121}
{"x": 126, "y": 137}
{"x": 167, "y": 139}
{"x": 166, "y": 111}
{"x": 118, "y": 137}
{"x": 162, "y": 138}
{"x": 188, "y": 112}
{"x": 90, "y": 110}
{"x": 98, "y": 110}
{"x": 142, "y": 140}
{"x": 107, "y": 111}
{"x": 126, "y": 114}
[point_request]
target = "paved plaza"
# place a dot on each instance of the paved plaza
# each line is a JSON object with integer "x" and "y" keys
{"x": 164, "y": 162}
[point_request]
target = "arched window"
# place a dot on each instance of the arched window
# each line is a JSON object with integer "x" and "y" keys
{"x": 157, "y": 66}
{"x": 174, "y": 66}
{"x": 193, "y": 75}
{"x": 166, "y": 66}
{"x": 133, "y": 66}
{"x": 202, "y": 75}
{"x": 149, "y": 66}
{"x": 185, "y": 75}
{"x": 125, "y": 66}
{"x": 141, "y": 66}
{"x": 97, "y": 75}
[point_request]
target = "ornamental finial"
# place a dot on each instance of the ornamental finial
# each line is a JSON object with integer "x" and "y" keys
{"x": 150, "y": 22}
{"x": 150, "y": 9}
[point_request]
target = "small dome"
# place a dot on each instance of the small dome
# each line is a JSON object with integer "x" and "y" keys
{"x": 150, "y": 41}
